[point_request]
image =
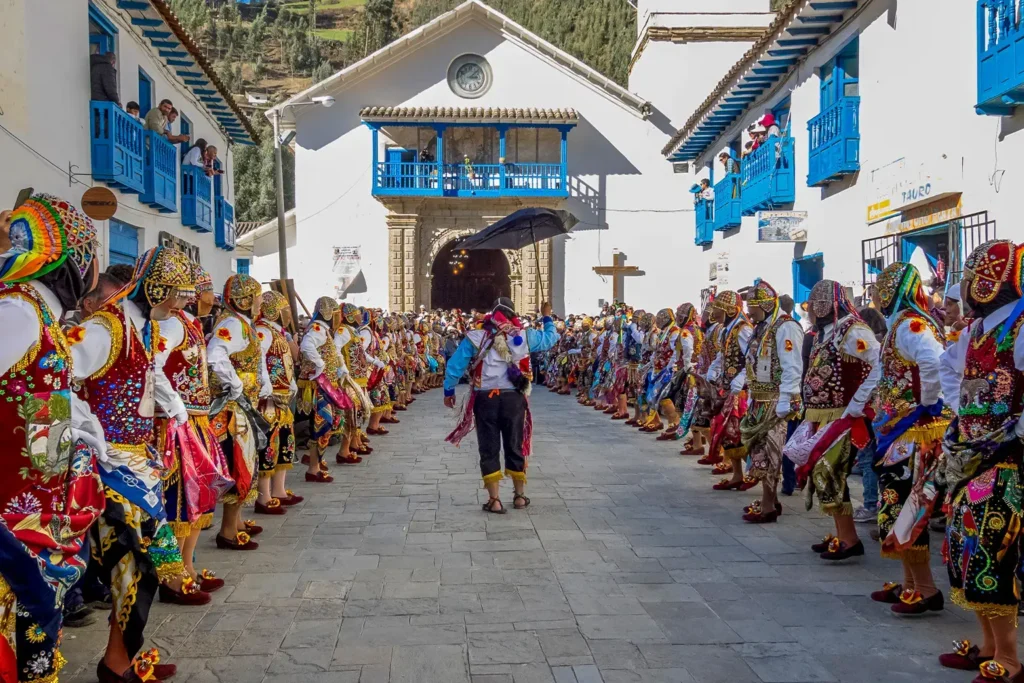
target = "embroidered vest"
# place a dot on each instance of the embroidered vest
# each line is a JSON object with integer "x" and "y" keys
{"x": 280, "y": 364}
{"x": 899, "y": 387}
{"x": 832, "y": 377}
{"x": 992, "y": 389}
{"x": 246, "y": 362}
{"x": 355, "y": 357}
{"x": 663, "y": 356}
{"x": 732, "y": 354}
{"x": 632, "y": 348}
{"x": 764, "y": 371}
{"x": 187, "y": 370}
{"x": 121, "y": 393}
{"x": 709, "y": 349}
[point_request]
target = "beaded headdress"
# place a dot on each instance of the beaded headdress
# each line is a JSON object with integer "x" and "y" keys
{"x": 900, "y": 287}
{"x": 727, "y": 301}
{"x": 686, "y": 314}
{"x": 160, "y": 274}
{"x": 240, "y": 292}
{"x": 204, "y": 283}
{"x": 587, "y": 322}
{"x": 351, "y": 314}
{"x": 988, "y": 267}
{"x": 828, "y": 296}
{"x": 325, "y": 307}
{"x": 78, "y": 230}
{"x": 764, "y": 297}
{"x": 665, "y": 318}
{"x": 273, "y": 304}
{"x": 38, "y": 245}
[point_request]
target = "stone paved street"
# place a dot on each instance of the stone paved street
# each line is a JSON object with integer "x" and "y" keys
{"x": 627, "y": 568}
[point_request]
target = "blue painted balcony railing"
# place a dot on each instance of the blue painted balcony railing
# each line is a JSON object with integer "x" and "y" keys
{"x": 728, "y": 212}
{"x": 117, "y": 147}
{"x": 196, "y": 199}
{"x": 835, "y": 142}
{"x": 160, "y": 173}
{"x": 704, "y": 211}
{"x": 768, "y": 176}
{"x": 476, "y": 180}
{"x": 1000, "y": 57}
{"x": 224, "y": 225}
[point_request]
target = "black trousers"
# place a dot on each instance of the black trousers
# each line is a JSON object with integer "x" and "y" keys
{"x": 500, "y": 418}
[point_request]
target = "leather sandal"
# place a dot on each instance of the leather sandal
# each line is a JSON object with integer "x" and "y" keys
{"x": 520, "y": 497}
{"x": 489, "y": 506}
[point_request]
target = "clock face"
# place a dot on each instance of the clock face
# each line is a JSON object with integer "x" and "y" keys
{"x": 470, "y": 77}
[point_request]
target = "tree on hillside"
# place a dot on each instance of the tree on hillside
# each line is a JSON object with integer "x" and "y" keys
{"x": 255, "y": 193}
{"x": 378, "y": 26}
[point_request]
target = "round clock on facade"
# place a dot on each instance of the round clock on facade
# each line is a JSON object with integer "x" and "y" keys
{"x": 469, "y": 76}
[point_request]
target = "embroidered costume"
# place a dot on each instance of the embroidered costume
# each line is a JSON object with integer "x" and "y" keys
{"x": 50, "y": 493}
{"x": 280, "y": 453}
{"x": 320, "y": 372}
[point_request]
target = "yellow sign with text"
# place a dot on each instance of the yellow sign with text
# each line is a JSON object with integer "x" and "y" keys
{"x": 880, "y": 211}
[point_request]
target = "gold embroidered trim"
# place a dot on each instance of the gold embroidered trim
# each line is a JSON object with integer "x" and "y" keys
{"x": 957, "y": 597}
{"x": 115, "y": 328}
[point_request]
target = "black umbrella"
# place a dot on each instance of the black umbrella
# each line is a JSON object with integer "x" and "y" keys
{"x": 521, "y": 229}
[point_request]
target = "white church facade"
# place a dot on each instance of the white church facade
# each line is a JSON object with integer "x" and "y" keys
{"x": 887, "y": 149}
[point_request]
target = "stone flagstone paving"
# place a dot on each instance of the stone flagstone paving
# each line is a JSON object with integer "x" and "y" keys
{"x": 627, "y": 568}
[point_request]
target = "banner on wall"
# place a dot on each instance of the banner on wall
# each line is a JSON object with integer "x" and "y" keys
{"x": 347, "y": 266}
{"x": 781, "y": 226}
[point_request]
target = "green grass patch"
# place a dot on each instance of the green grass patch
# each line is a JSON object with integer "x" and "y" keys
{"x": 302, "y": 7}
{"x": 338, "y": 34}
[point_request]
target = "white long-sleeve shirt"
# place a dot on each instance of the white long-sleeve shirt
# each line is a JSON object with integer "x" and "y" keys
{"x": 859, "y": 342}
{"x": 341, "y": 339}
{"x": 172, "y": 335}
{"x": 93, "y": 352}
{"x": 789, "y": 348}
{"x": 366, "y": 338}
{"x": 20, "y": 323}
{"x": 952, "y": 360}
{"x": 682, "y": 350}
{"x": 312, "y": 340}
{"x": 924, "y": 349}
{"x": 220, "y": 348}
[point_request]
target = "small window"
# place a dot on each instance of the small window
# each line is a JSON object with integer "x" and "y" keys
{"x": 242, "y": 266}
{"x": 840, "y": 76}
{"x": 123, "y": 244}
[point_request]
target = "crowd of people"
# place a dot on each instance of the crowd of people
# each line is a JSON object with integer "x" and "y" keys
{"x": 136, "y": 401}
{"x": 926, "y": 400}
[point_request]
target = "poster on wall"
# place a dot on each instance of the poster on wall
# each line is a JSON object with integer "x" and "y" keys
{"x": 718, "y": 270}
{"x": 347, "y": 267}
{"x": 781, "y": 226}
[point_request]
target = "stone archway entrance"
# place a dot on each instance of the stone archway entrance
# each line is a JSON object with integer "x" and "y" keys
{"x": 468, "y": 279}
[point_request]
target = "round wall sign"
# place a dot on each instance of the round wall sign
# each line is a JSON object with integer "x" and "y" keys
{"x": 99, "y": 203}
{"x": 470, "y": 76}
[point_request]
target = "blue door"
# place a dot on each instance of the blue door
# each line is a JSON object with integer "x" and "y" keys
{"x": 185, "y": 128}
{"x": 242, "y": 266}
{"x": 124, "y": 243}
{"x": 145, "y": 93}
{"x": 807, "y": 272}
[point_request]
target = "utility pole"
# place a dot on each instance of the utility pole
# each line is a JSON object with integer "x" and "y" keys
{"x": 282, "y": 238}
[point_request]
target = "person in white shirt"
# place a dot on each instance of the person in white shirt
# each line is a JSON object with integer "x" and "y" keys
{"x": 982, "y": 375}
{"x": 239, "y": 373}
{"x": 728, "y": 372}
{"x": 774, "y": 370}
{"x": 497, "y": 358}
{"x": 50, "y": 490}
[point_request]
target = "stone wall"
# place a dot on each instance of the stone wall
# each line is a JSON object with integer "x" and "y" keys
{"x": 419, "y": 228}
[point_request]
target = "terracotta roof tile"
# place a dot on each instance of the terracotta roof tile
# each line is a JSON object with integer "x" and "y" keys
{"x": 476, "y": 114}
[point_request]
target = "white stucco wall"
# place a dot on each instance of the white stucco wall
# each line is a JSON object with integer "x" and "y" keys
{"x": 623, "y": 190}
{"x": 44, "y": 95}
{"x": 918, "y": 90}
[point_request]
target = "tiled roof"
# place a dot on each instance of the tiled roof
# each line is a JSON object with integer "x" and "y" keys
{"x": 474, "y": 114}
{"x": 162, "y": 7}
{"x": 243, "y": 228}
{"x": 792, "y": 43}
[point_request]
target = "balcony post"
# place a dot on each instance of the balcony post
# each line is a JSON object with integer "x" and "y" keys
{"x": 501, "y": 158}
{"x": 376, "y": 167}
{"x": 440, "y": 160}
{"x": 565, "y": 159}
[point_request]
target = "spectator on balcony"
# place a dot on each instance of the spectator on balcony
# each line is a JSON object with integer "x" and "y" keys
{"x": 196, "y": 154}
{"x": 729, "y": 163}
{"x": 156, "y": 118}
{"x": 172, "y": 116}
{"x": 706, "y": 192}
{"x": 769, "y": 127}
{"x": 103, "y": 78}
{"x": 210, "y": 161}
{"x": 133, "y": 110}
